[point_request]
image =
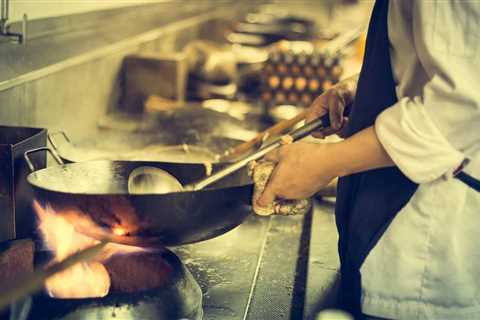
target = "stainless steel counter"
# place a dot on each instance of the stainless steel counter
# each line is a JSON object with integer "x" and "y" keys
{"x": 259, "y": 270}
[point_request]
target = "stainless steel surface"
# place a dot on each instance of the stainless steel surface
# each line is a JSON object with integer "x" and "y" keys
{"x": 323, "y": 262}
{"x": 87, "y": 49}
{"x": 52, "y": 140}
{"x": 190, "y": 122}
{"x": 249, "y": 273}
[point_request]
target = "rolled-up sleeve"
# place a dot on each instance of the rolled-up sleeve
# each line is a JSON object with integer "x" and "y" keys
{"x": 428, "y": 135}
{"x": 414, "y": 143}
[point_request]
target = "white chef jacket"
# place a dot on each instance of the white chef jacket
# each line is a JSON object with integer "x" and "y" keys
{"x": 427, "y": 264}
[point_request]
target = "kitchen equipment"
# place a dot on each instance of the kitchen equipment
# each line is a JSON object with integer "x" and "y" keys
{"x": 163, "y": 75}
{"x": 179, "y": 296}
{"x": 187, "y": 124}
{"x": 16, "y": 215}
{"x": 157, "y": 181}
{"x": 94, "y": 197}
{"x": 35, "y": 281}
{"x": 269, "y": 29}
{"x": 211, "y": 62}
{"x": 163, "y": 147}
{"x": 259, "y": 138}
{"x": 295, "y": 135}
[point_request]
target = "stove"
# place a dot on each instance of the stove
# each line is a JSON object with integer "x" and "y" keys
{"x": 176, "y": 294}
{"x": 256, "y": 271}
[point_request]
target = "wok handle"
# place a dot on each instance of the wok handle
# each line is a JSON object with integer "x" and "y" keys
{"x": 29, "y": 152}
{"x": 55, "y": 133}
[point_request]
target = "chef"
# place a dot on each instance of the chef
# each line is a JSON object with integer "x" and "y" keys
{"x": 408, "y": 206}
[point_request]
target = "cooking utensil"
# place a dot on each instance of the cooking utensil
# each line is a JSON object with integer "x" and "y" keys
{"x": 144, "y": 180}
{"x": 166, "y": 147}
{"x": 307, "y": 129}
{"x": 162, "y": 181}
{"x": 273, "y": 130}
{"x": 94, "y": 197}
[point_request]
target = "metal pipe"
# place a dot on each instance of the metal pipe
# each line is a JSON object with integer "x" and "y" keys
{"x": 7, "y": 10}
{"x": 5, "y": 28}
{"x": 3, "y": 15}
{"x": 4, "y": 10}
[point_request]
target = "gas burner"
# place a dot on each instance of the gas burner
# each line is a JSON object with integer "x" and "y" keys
{"x": 144, "y": 285}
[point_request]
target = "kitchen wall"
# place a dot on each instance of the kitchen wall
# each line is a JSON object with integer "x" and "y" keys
{"x": 67, "y": 75}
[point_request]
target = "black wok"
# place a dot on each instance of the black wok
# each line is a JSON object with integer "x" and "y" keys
{"x": 161, "y": 147}
{"x": 94, "y": 197}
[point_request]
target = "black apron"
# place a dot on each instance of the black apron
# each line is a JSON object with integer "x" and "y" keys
{"x": 367, "y": 202}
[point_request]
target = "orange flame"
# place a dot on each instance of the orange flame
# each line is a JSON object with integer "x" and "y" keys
{"x": 88, "y": 279}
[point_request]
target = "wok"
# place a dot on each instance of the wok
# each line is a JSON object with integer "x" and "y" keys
{"x": 164, "y": 147}
{"x": 94, "y": 197}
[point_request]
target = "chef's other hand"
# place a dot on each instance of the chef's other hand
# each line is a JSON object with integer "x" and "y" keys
{"x": 301, "y": 170}
{"x": 333, "y": 103}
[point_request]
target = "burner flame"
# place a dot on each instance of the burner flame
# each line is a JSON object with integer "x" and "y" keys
{"x": 87, "y": 279}
{"x": 119, "y": 231}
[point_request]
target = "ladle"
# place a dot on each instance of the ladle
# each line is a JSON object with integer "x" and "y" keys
{"x": 153, "y": 180}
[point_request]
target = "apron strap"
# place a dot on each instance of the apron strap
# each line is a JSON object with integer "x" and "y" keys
{"x": 469, "y": 180}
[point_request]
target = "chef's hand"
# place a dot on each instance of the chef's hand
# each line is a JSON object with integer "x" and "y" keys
{"x": 333, "y": 102}
{"x": 304, "y": 168}
{"x": 297, "y": 175}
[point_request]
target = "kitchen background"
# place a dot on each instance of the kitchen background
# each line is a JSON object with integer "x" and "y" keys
{"x": 70, "y": 74}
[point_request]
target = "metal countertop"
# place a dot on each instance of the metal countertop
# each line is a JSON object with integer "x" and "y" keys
{"x": 250, "y": 272}
{"x": 259, "y": 270}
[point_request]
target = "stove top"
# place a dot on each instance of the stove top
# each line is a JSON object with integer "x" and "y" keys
{"x": 177, "y": 296}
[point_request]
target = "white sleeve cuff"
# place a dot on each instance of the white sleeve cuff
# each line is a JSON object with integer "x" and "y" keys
{"x": 414, "y": 143}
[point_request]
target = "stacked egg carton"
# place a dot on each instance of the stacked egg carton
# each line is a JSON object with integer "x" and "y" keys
{"x": 298, "y": 78}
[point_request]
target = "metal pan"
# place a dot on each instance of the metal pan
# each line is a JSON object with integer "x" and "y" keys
{"x": 165, "y": 147}
{"x": 94, "y": 197}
